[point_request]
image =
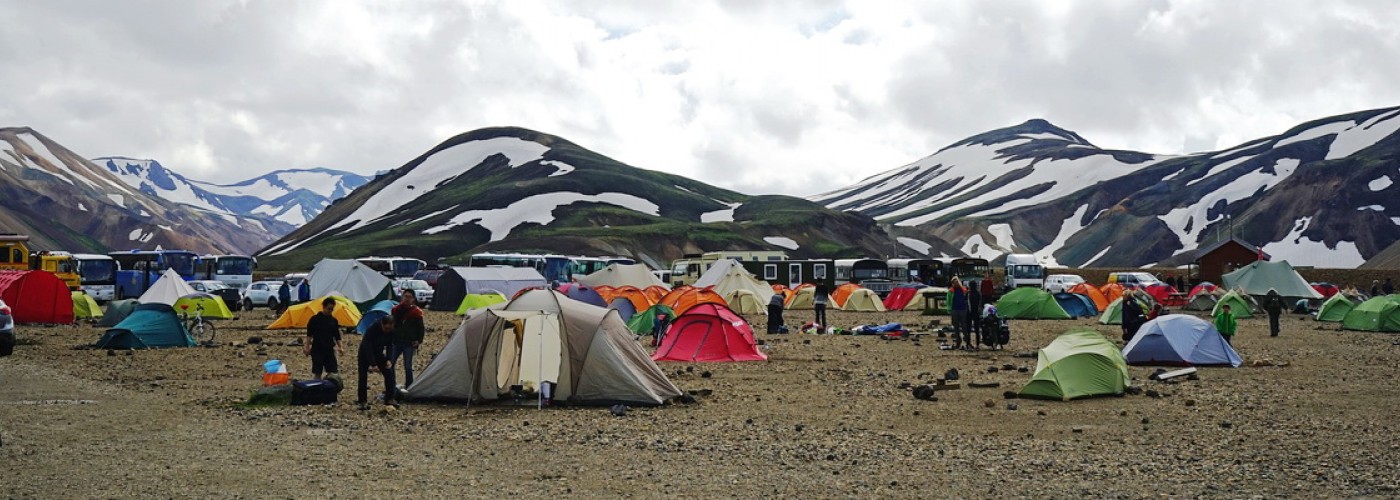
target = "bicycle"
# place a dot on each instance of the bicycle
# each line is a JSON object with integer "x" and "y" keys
{"x": 202, "y": 331}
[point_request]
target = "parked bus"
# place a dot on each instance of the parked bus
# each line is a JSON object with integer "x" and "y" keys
{"x": 685, "y": 271}
{"x": 966, "y": 268}
{"x": 97, "y": 275}
{"x": 235, "y": 271}
{"x": 137, "y": 270}
{"x": 554, "y": 268}
{"x": 925, "y": 271}
{"x": 869, "y": 273}
{"x": 61, "y": 264}
{"x": 394, "y": 267}
{"x": 583, "y": 266}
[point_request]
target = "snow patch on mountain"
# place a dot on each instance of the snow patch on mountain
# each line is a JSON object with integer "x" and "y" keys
{"x": 1379, "y": 183}
{"x": 1300, "y": 250}
{"x": 1363, "y": 136}
{"x": 976, "y": 247}
{"x": 1004, "y": 238}
{"x": 722, "y": 215}
{"x": 1097, "y": 256}
{"x": 920, "y": 246}
{"x": 560, "y": 167}
{"x": 1315, "y": 132}
{"x": 1196, "y": 215}
{"x": 539, "y": 209}
{"x": 1068, "y": 228}
{"x": 1377, "y": 208}
{"x": 782, "y": 241}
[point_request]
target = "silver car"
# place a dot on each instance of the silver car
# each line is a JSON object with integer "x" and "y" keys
{"x": 421, "y": 290}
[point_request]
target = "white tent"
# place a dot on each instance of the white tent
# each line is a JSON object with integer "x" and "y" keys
{"x": 346, "y": 278}
{"x": 543, "y": 336}
{"x": 616, "y": 275}
{"x": 863, "y": 299}
{"x": 166, "y": 290}
{"x": 726, "y": 276}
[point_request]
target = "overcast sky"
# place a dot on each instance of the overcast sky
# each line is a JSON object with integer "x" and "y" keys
{"x": 758, "y": 96}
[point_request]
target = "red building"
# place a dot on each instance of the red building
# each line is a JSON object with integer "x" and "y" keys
{"x": 1224, "y": 256}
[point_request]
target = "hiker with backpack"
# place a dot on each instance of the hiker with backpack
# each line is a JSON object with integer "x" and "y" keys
{"x": 1273, "y": 304}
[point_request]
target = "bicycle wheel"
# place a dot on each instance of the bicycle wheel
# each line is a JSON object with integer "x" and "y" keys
{"x": 202, "y": 332}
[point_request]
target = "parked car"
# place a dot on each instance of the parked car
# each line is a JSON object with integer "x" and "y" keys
{"x": 1057, "y": 283}
{"x": 7, "y": 330}
{"x": 261, "y": 293}
{"x": 1133, "y": 279}
{"x": 229, "y": 294}
{"x": 421, "y": 290}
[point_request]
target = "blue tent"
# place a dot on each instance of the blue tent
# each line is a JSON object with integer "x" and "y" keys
{"x": 624, "y": 308}
{"x": 1076, "y": 305}
{"x": 149, "y": 326}
{"x": 583, "y": 294}
{"x": 1180, "y": 340}
{"x": 378, "y": 310}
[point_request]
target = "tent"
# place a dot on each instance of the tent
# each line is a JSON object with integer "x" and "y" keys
{"x": 213, "y": 306}
{"x": 1180, "y": 340}
{"x": 1076, "y": 305}
{"x": 1260, "y": 276}
{"x": 681, "y": 299}
{"x": 624, "y": 308}
{"x": 346, "y": 313}
{"x": 1201, "y": 302}
{"x": 655, "y": 293}
{"x": 1087, "y": 290}
{"x": 708, "y": 332}
{"x": 1111, "y": 291}
{"x": 1379, "y": 314}
{"x": 863, "y": 299}
{"x": 900, "y": 296}
{"x": 478, "y": 301}
{"x": 1335, "y": 308}
{"x": 643, "y": 322}
{"x": 1079, "y": 363}
{"x": 166, "y": 290}
{"x": 839, "y": 295}
{"x": 1239, "y": 305}
{"x": 925, "y": 298}
{"x": 378, "y": 310}
{"x": 84, "y": 307}
{"x": 1160, "y": 292}
{"x": 744, "y": 301}
{"x": 117, "y": 310}
{"x": 1113, "y": 315}
{"x": 801, "y": 298}
{"x": 616, "y": 275}
{"x": 1202, "y": 287}
{"x": 149, "y": 326}
{"x": 457, "y": 282}
{"x": 36, "y": 297}
{"x": 726, "y": 276}
{"x": 639, "y": 299}
{"x": 352, "y": 280}
{"x": 583, "y": 293}
{"x": 1030, "y": 303}
{"x": 541, "y": 336}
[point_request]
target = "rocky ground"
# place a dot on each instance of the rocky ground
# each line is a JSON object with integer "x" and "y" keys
{"x": 827, "y": 416}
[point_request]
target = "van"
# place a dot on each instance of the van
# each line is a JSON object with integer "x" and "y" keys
{"x": 1057, "y": 283}
{"x": 1133, "y": 279}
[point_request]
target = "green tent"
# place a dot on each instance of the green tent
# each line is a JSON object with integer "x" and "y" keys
{"x": 642, "y": 322}
{"x": 1239, "y": 305}
{"x": 84, "y": 307}
{"x": 1079, "y": 363}
{"x": 1030, "y": 303}
{"x": 1380, "y": 314}
{"x": 478, "y": 301}
{"x": 208, "y": 306}
{"x": 150, "y": 326}
{"x": 1335, "y": 308}
{"x": 1260, "y": 276}
{"x": 1113, "y": 314}
{"x": 117, "y": 311}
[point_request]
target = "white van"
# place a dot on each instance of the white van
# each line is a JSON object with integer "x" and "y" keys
{"x": 1057, "y": 283}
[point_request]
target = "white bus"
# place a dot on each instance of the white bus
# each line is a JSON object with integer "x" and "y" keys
{"x": 97, "y": 275}
{"x": 394, "y": 267}
{"x": 234, "y": 271}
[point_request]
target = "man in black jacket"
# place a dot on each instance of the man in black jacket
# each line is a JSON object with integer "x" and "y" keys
{"x": 1273, "y": 304}
{"x": 374, "y": 356}
{"x": 323, "y": 340}
{"x": 775, "y": 313}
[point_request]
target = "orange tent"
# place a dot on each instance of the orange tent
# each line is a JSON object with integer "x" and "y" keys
{"x": 635, "y": 295}
{"x": 656, "y": 293}
{"x": 1094, "y": 294}
{"x": 1111, "y": 292}
{"x": 684, "y": 298}
{"x": 842, "y": 293}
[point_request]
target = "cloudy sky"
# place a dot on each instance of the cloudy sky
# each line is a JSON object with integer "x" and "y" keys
{"x": 763, "y": 97}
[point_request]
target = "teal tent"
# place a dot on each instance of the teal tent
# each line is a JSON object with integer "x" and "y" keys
{"x": 117, "y": 311}
{"x": 149, "y": 326}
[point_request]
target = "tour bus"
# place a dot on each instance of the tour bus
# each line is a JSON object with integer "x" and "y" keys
{"x": 1022, "y": 269}
{"x": 966, "y": 268}
{"x": 97, "y": 275}
{"x": 137, "y": 270}
{"x": 554, "y": 268}
{"x": 924, "y": 271}
{"x": 61, "y": 264}
{"x": 685, "y": 271}
{"x": 235, "y": 271}
{"x": 583, "y": 266}
{"x": 869, "y": 273}
{"x": 394, "y": 267}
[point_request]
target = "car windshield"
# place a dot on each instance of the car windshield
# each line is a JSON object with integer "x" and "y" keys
{"x": 414, "y": 285}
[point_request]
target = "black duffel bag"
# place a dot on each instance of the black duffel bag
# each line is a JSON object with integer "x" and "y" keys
{"x": 314, "y": 392}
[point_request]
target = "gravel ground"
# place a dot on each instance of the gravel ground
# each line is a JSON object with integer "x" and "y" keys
{"x": 827, "y": 416}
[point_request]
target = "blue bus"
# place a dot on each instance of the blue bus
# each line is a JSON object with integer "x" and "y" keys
{"x": 554, "y": 268}
{"x": 137, "y": 270}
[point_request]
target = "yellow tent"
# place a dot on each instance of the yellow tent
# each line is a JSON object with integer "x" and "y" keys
{"x": 478, "y": 301}
{"x": 213, "y": 306}
{"x": 84, "y": 307}
{"x": 298, "y": 315}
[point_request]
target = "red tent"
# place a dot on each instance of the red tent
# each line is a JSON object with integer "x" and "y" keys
{"x": 708, "y": 332}
{"x": 36, "y": 297}
{"x": 1160, "y": 292}
{"x": 899, "y": 297}
{"x": 1204, "y": 287}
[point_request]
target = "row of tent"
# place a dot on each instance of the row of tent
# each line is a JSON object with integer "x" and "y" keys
{"x": 1377, "y": 314}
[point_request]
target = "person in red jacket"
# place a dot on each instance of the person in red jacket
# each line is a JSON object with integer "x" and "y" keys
{"x": 407, "y": 334}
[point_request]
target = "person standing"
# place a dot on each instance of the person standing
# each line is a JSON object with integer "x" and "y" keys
{"x": 1225, "y": 323}
{"x": 323, "y": 340}
{"x": 819, "y": 299}
{"x": 407, "y": 334}
{"x": 304, "y": 291}
{"x": 775, "y": 312}
{"x": 374, "y": 356}
{"x": 974, "y": 308}
{"x": 1133, "y": 315}
{"x": 1375, "y": 288}
{"x": 957, "y": 309}
{"x": 1273, "y": 304}
{"x": 284, "y": 296}
{"x": 1388, "y": 287}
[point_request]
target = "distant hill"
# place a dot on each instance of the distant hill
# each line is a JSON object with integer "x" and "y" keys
{"x": 1387, "y": 259}
{"x": 513, "y": 189}
{"x": 1320, "y": 194}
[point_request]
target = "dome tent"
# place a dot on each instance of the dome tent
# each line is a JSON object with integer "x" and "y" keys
{"x": 743, "y": 301}
{"x": 1079, "y": 363}
{"x": 1379, "y": 314}
{"x": 1336, "y": 308}
{"x": 117, "y": 311}
{"x": 36, "y": 297}
{"x": 1076, "y": 305}
{"x": 84, "y": 307}
{"x": 346, "y": 313}
{"x": 1260, "y": 276}
{"x": 149, "y": 326}
{"x": 478, "y": 301}
{"x": 863, "y": 299}
{"x": 1030, "y": 303}
{"x": 709, "y": 332}
{"x": 349, "y": 279}
{"x": 727, "y": 276}
{"x": 1240, "y": 305}
{"x": 208, "y": 306}
{"x": 1180, "y": 340}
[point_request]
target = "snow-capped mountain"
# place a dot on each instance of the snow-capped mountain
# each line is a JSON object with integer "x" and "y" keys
{"x": 515, "y": 189}
{"x": 1320, "y": 194}
{"x": 283, "y": 199}
{"x": 65, "y": 202}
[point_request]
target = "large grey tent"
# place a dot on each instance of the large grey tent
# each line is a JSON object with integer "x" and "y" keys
{"x": 1260, "y": 276}
{"x": 616, "y": 275}
{"x": 349, "y": 279}
{"x": 458, "y": 282}
{"x": 543, "y": 336}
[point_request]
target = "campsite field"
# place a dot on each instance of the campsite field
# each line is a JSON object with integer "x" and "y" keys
{"x": 825, "y": 417}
